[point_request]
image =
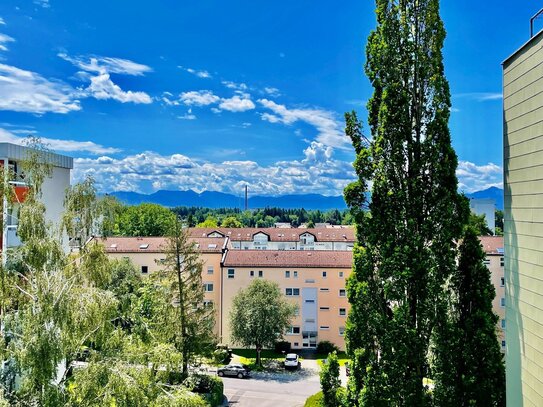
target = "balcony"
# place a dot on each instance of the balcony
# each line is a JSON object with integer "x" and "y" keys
{"x": 12, "y": 239}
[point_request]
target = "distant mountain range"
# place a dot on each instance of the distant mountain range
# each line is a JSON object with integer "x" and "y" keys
{"x": 210, "y": 199}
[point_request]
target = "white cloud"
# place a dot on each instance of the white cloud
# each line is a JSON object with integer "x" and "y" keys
{"x": 200, "y": 74}
{"x": 272, "y": 91}
{"x": 329, "y": 129}
{"x": 2, "y": 22}
{"x": 318, "y": 172}
{"x": 57, "y": 144}
{"x": 100, "y": 65}
{"x": 42, "y": 3}
{"x": 102, "y": 87}
{"x": 187, "y": 116}
{"x": 4, "y": 39}
{"x": 234, "y": 85}
{"x": 237, "y": 103}
{"x": 26, "y": 91}
{"x": 480, "y": 96}
{"x": 199, "y": 98}
{"x": 472, "y": 177}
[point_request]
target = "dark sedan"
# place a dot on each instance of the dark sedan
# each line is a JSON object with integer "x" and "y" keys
{"x": 235, "y": 370}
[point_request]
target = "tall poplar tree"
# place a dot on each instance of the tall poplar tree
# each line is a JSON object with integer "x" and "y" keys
{"x": 407, "y": 243}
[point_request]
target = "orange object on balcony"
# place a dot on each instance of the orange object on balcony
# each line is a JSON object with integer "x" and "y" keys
{"x": 20, "y": 193}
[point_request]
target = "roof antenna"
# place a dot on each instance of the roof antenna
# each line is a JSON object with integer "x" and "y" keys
{"x": 535, "y": 17}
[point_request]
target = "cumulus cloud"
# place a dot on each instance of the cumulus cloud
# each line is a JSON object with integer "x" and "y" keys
{"x": 198, "y": 98}
{"x": 26, "y": 91}
{"x": 318, "y": 172}
{"x": 272, "y": 91}
{"x": 199, "y": 73}
{"x": 329, "y": 129}
{"x": 101, "y": 85}
{"x": 9, "y": 136}
{"x": 472, "y": 177}
{"x": 4, "y": 39}
{"x": 237, "y": 103}
{"x": 42, "y": 3}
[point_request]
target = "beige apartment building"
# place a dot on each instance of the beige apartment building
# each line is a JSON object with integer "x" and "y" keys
{"x": 493, "y": 247}
{"x": 313, "y": 280}
{"x": 523, "y": 222}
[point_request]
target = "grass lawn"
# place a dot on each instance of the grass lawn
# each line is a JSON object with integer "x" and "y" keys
{"x": 270, "y": 358}
{"x": 341, "y": 357}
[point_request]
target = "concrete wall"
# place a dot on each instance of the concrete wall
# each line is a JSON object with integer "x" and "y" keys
{"x": 523, "y": 223}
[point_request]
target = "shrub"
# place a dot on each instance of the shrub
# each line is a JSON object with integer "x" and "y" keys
{"x": 315, "y": 400}
{"x": 282, "y": 346}
{"x": 326, "y": 347}
{"x": 221, "y": 356}
{"x": 180, "y": 398}
{"x": 210, "y": 387}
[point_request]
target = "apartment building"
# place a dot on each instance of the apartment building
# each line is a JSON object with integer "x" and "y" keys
{"x": 53, "y": 189}
{"x": 313, "y": 280}
{"x": 495, "y": 261}
{"x": 523, "y": 222}
{"x": 283, "y": 238}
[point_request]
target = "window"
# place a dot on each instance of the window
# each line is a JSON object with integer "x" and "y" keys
{"x": 486, "y": 261}
{"x": 502, "y": 302}
{"x": 252, "y": 273}
{"x": 231, "y": 273}
{"x": 502, "y": 282}
{"x": 208, "y": 303}
{"x": 502, "y": 262}
{"x": 503, "y": 323}
{"x": 260, "y": 273}
{"x": 324, "y": 327}
{"x": 296, "y": 344}
{"x": 295, "y": 274}
{"x": 209, "y": 269}
{"x": 289, "y": 292}
{"x": 310, "y": 301}
{"x": 310, "y": 320}
{"x": 208, "y": 287}
{"x": 310, "y": 281}
{"x": 144, "y": 246}
{"x": 341, "y": 330}
{"x": 144, "y": 269}
{"x": 287, "y": 274}
{"x": 324, "y": 290}
{"x": 293, "y": 330}
{"x": 324, "y": 308}
{"x": 342, "y": 292}
{"x": 503, "y": 344}
{"x": 324, "y": 274}
{"x": 342, "y": 312}
{"x": 340, "y": 274}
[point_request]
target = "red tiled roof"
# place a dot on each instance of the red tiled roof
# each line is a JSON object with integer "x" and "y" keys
{"x": 119, "y": 244}
{"x": 289, "y": 258}
{"x": 492, "y": 244}
{"x": 280, "y": 234}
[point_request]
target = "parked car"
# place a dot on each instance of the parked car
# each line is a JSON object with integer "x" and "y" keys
{"x": 236, "y": 370}
{"x": 292, "y": 361}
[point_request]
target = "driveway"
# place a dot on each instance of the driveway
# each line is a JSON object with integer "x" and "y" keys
{"x": 284, "y": 389}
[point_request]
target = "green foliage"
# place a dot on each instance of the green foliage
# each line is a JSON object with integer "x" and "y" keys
{"x": 330, "y": 382}
{"x": 479, "y": 224}
{"x": 407, "y": 243}
{"x": 282, "y": 346}
{"x": 316, "y": 400}
{"x": 221, "y": 356}
{"x": 260, "y": 315}
{"x": 469, "y": 367}
{"x": 145, "y": 220}
{"x": 210, "y": 222}
{"x": 498, "y": 219}
{"x": 231, "y": 222}
{"x": 210, "y": 387}
{"x": 326, "y": 347}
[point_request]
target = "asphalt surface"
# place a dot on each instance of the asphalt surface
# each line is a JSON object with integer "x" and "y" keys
{"x": 288, "y": 389}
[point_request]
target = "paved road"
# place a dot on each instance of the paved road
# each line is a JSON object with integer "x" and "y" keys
{"x": 273, "y": 389}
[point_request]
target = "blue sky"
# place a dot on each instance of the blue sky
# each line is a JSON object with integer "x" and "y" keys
{"x": 216, "y": 94}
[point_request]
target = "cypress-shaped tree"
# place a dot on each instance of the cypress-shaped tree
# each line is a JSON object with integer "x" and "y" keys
{"x": 407, "y": 242}
{"x": 469, "y": 364}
